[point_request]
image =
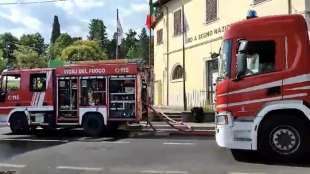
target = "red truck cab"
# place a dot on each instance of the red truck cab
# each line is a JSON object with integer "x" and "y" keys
{"x": 262, "y": 96}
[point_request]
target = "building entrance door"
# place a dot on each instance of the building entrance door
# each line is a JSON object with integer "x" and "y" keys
{"x": 212, "y": 74}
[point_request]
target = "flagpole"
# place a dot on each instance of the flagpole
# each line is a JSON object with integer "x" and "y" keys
{"x": 116, "y": 54}
{"x": 150, "y": 32}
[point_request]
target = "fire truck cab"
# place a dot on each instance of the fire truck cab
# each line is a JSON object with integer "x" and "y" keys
{"x": 262, "y": 96}
{"x": 93, "y": 96}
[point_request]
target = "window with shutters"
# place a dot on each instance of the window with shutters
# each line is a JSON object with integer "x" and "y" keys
{"x": 258, "y": 1}
{"x": 159, "y": 36}
{"x": 211, "y": 10}
{"x": 177, "y": 22}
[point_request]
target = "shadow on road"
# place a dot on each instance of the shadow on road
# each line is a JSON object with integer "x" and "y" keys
{"x": 254, "y": 157}
{"x": 10, "y": 148}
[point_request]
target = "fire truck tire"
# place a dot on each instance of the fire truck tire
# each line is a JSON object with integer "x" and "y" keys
{"x": 93, "y": 124}
{"x": 283, "y": 138}
{"x": 18, "y": 123}
{"x": 243, "y": 155}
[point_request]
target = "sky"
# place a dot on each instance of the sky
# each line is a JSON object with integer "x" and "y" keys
{"x": 74, "y": 16}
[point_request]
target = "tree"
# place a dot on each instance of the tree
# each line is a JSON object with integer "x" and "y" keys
{"x": 111, "y": 47}
{"x": 63, "y": 41}
{"x": 83, "y": 50}
{"x": 2, "y": 61}
{"x": 35, "y": 41}
{"x": 130, "y": 41}
{"x": 28, "y": 58}
{"x": 132, "y": 53}
{"x": 97, "y": 32}
{"x": 55, "y": 30}
{"x": 8, "y": 45}
{"x": 144, "y": 45}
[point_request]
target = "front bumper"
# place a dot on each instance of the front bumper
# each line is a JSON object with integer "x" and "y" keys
{"x": 235, "y": 134}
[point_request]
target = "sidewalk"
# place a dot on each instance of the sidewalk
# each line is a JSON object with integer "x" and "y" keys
{"x": 162, "y": 128}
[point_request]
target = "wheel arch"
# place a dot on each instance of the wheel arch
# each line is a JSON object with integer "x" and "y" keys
{"x": 295, "y": 107}
{"x": 18, "y": 110}
{"x": 92, "y": 112}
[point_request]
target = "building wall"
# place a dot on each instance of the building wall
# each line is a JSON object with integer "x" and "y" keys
{"x": 202, "y": 39}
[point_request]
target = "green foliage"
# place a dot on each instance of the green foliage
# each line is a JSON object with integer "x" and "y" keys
{"x": 143, "y": 45}
{"x": 97, "y": 32}
{"x": 111, "y": 48}
{"x": 8, "y": 45}
{"x": 83, "y": 50}
{"x": 63, "y": 41}
{"x": 35, "y": 41}
{"x": 132, "y": 53}
{"x": 130, "y": 42}
{"x": 55, "y": 30}
{"x": 28, "y": 58}
{"x": 2, "y": 61}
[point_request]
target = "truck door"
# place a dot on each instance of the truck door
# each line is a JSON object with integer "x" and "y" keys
{"x": 10, "y": 94}
{"x": 257, "y": 74}
{"x": 67, "y": 100}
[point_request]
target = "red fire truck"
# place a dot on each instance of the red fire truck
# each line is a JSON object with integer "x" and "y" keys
{"x": 96, "y": 96}
{"x": 262, "y": 99}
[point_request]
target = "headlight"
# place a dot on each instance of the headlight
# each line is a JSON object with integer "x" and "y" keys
{"x": 222, "y": 119}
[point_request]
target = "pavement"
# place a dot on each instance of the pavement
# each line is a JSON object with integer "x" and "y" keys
{"x": 72, "y": 152}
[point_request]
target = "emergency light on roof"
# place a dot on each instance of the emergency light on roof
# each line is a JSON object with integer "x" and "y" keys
{"x": 251, "y": 14}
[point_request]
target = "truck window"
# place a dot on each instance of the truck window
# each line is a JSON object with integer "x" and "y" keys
{"x": 37, "y": 82}
{"x": 260, "y": 57}
{"x": 11, "y": 82}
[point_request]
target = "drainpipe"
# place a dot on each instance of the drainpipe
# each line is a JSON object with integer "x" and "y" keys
{"x": 183, "y": 50}
{"x": 167, "y": 51}
{"x": 289, "y": 3}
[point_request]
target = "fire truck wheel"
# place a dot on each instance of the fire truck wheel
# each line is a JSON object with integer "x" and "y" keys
{"x": 283, "y": 137}
{"x": 93, "y": 125}
{"x": 19, "y": 123}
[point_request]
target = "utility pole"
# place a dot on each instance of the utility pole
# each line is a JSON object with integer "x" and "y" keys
{"x": 289, "y": 3}
{"x": 183, "y": 50}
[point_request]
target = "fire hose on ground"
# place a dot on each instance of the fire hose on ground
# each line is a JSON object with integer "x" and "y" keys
{"x": 178, "y": 125}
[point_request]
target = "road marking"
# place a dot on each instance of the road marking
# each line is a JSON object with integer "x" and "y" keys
{"x": 164, "y": 171}
{"x": 79, "y": 168}
{"x": 244, "y": 173}
{"x": 12, "y": 165}
{"x": 178, "y": 143}
{"x": 117, "y": 142}
{"x": 33, "y": 140}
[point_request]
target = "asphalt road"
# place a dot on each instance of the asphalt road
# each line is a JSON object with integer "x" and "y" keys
{"x": 72, "y": 152}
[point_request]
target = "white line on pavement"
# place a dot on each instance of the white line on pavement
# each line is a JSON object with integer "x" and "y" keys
{"x": 178, "y": 143}
{"x": 118, "y": 142}
{"x": 79, "y": 168}
{"x": 164, "y": 172}
{"x": 34, "y": 140}
{"x": 244, "y": 173}
{"x": 12, "y": 165}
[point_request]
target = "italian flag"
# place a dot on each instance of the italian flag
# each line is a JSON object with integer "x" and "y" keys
{"x": 150, "y": 19}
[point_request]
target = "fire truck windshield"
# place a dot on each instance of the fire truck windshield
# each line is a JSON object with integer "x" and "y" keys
{"x": 225, "y": 59}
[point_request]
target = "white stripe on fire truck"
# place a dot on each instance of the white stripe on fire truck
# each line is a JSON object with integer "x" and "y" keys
{"x": 261, "y": 100}
{"x": 299, "y": 88}
{"x": 42, "y": 94}
{"x": 287, "y": 81}
{"x": 34, "y": 96}
{"x": 254, "y": 88}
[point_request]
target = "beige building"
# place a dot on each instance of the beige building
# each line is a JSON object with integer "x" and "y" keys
{"x": 205, "y": 23}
